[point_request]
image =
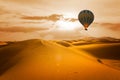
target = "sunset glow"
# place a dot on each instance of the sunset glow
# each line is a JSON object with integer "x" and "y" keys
{"x": 66, "y": 25}
{"x": 19, "y": 18}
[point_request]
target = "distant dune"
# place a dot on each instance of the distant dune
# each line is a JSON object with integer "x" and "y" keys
{"x": 88, "y": 40}
{"x": 103, "y": 51}
{"x": 52, "y": 60}
{"x": 106, "y": 49}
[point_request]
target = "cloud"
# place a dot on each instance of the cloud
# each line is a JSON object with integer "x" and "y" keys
{"x": 21, "y": 29}
{"x": 111, "y": 26}
{"x": 17, "y": 36}
{"x": 104, "y": 30}
{"x": 53, "y": 17}
{"x": 2, "y": 22}
{"x": 71, "y": 19}
{"x": 25, "y": 1}
{"x": 3, "y": 11}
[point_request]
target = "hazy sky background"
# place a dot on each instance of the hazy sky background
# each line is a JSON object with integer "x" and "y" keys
{"x": 57, "y": 19}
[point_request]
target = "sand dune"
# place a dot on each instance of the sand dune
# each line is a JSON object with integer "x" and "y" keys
{"x": 105, "y": 50}
{"x": 46, "y": 60}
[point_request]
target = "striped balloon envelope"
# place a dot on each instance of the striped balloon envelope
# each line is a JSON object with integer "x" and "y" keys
{"x": 86, "y": 17}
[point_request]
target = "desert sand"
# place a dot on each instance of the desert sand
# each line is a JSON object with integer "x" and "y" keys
{"x": 47, "y": 60}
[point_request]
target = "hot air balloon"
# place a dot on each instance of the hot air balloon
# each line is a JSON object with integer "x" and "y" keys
{"x": 86, "y": 17}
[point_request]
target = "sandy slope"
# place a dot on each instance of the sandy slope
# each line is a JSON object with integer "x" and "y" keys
{"x": 44, "y": 60}
{"x": 103, "y": 50}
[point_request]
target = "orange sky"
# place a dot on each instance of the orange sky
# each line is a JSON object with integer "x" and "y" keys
{"x": 57, "y": 19}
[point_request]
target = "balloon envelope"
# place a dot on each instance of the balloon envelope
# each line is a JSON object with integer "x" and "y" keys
{"x": 86, "y": 17}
